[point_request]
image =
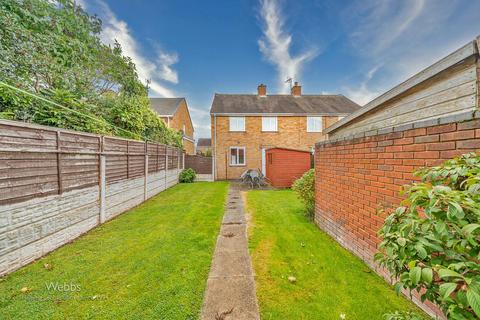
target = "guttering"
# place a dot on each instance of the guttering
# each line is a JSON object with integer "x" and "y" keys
{"x": 188, "y": 139}
{"x": 467, "y": 51}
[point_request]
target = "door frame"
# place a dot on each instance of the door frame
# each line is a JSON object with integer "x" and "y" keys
{"x": 264, "y": 162}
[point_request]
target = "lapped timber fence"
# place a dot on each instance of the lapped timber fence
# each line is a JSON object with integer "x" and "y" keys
{"x": 56, "y": 184}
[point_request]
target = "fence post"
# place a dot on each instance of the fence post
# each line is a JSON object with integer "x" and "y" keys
{"x": 59, "y": 164}
{"x": 166, "y": 165}
{"x": 178, "y": 162}
{"x": 145, "y": 182}
{"x": 103, "y": 188}
{"x": 183, "y": 160}
{"x": 128, "y": 162}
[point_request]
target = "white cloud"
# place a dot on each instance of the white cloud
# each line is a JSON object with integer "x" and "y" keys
{"x": 166, "y": 60}
{"x": 81, "y": 3}
{"x": 201, "y": 120}
{"x": 276, "y": 42}
{"x": 154, "y": 71}
{"x": 403, "y": 37}
{"x": 363, "y": 94}
{"x": 384, "y": 23}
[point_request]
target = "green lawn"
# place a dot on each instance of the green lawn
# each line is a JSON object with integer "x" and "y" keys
{"x": 149, "y": 263}
{"x": 330, "y": 280}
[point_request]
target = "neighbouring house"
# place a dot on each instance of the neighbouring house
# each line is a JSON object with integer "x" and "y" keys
{"x": 175, "y": 113}
{"x": 204, "y": 146}
{"x": 370, "y": 154}
{"x": 245, "y": 126}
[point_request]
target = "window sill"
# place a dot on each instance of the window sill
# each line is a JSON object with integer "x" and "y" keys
{"x": 269, "y": 131}
{"x": 237, "y": 165}
{"x": 237, "y": 131}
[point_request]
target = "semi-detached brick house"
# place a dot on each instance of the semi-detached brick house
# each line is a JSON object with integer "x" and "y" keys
{"x": 174, "y": 112}
{"x": 369, "y": 155}
{"x": 244, "y": 126}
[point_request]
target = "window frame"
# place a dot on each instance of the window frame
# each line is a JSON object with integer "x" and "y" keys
{"x": 309, "y": 129}
{"x": 269, "y": 117}
{"x": 244, "y": 156}
{"x": 230, "y": 124}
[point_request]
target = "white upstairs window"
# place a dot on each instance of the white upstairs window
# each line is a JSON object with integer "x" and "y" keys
{"x": 237, "y": 123}
{"x": 269, "y": 123}
{"x": 237, "y": 156}
{"x": 314, "y": 124}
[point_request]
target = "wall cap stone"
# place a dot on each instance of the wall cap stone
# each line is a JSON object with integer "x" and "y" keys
{"x": 456, "y": 118}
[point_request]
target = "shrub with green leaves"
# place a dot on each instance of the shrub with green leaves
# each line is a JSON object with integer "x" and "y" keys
{"x": 53, "y": 49}
{"x": 305, "y": 189}
{"x": 432, "y": 242}
{"x": 187, "y": 175}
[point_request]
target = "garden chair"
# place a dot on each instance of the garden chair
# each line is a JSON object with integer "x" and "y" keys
{"x": 255, "y": 178}
{"x": 245, "y": 177}
{"x": 263, "y": 179}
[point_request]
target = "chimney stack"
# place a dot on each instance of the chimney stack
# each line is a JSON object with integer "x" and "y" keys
{"x": 296, "y": 90}
{"x": 262, "y": 90}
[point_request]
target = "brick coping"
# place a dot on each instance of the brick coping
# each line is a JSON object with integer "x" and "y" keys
{"x": 387, "y": 132}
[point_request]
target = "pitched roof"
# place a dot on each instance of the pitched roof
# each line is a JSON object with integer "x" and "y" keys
{"x": 204, "y": 142}
{"x": 282, "y": 104}
{"x": 165, "y": 106}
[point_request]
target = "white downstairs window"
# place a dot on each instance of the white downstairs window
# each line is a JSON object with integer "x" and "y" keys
{"x": 269, "y": 124}
{"x": 237, "y": 123}
{"x": 237, "y": 156}
{"x": 314, "y": 124}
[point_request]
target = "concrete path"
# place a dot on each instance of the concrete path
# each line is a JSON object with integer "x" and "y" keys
{"x": 230, "y": 293}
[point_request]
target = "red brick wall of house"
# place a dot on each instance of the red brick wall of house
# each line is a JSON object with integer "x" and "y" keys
{"x": 358, "y": 177}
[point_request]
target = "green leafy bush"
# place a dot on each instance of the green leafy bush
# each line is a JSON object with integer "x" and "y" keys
{"x": 53, "y": 49}
{"x": 187, "y": 175}
{"x": 432, "y": 242}
{"x": 305, "y": 189}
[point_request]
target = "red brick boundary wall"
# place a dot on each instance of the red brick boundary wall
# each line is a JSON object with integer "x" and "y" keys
{"x": 357, "y": 177}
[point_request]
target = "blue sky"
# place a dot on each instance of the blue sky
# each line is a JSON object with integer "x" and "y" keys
{"x": 362, "y": 48}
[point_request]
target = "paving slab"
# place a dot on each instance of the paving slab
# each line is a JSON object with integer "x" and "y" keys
{"x": 231, "y": 297}
{"x": 231, "y": 264}
{"x": 232, "y": 237}
{"x": 236, "y": 218}
{"x": 230, "y": 292}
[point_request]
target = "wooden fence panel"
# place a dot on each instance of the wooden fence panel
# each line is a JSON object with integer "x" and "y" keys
{"x": 57, "y": 184}
{"x": 37, "y": 161}
{"x": 201, "y": 164}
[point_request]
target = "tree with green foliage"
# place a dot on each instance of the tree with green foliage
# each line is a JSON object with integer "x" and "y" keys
{"x": 432, "y": 242}
{"x": 53, "y": 49}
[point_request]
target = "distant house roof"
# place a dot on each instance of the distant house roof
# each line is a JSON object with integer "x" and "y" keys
{"x": 204, "y": 142}
{"x": 165, "y": 106}
{"x": 282, "y": 104}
